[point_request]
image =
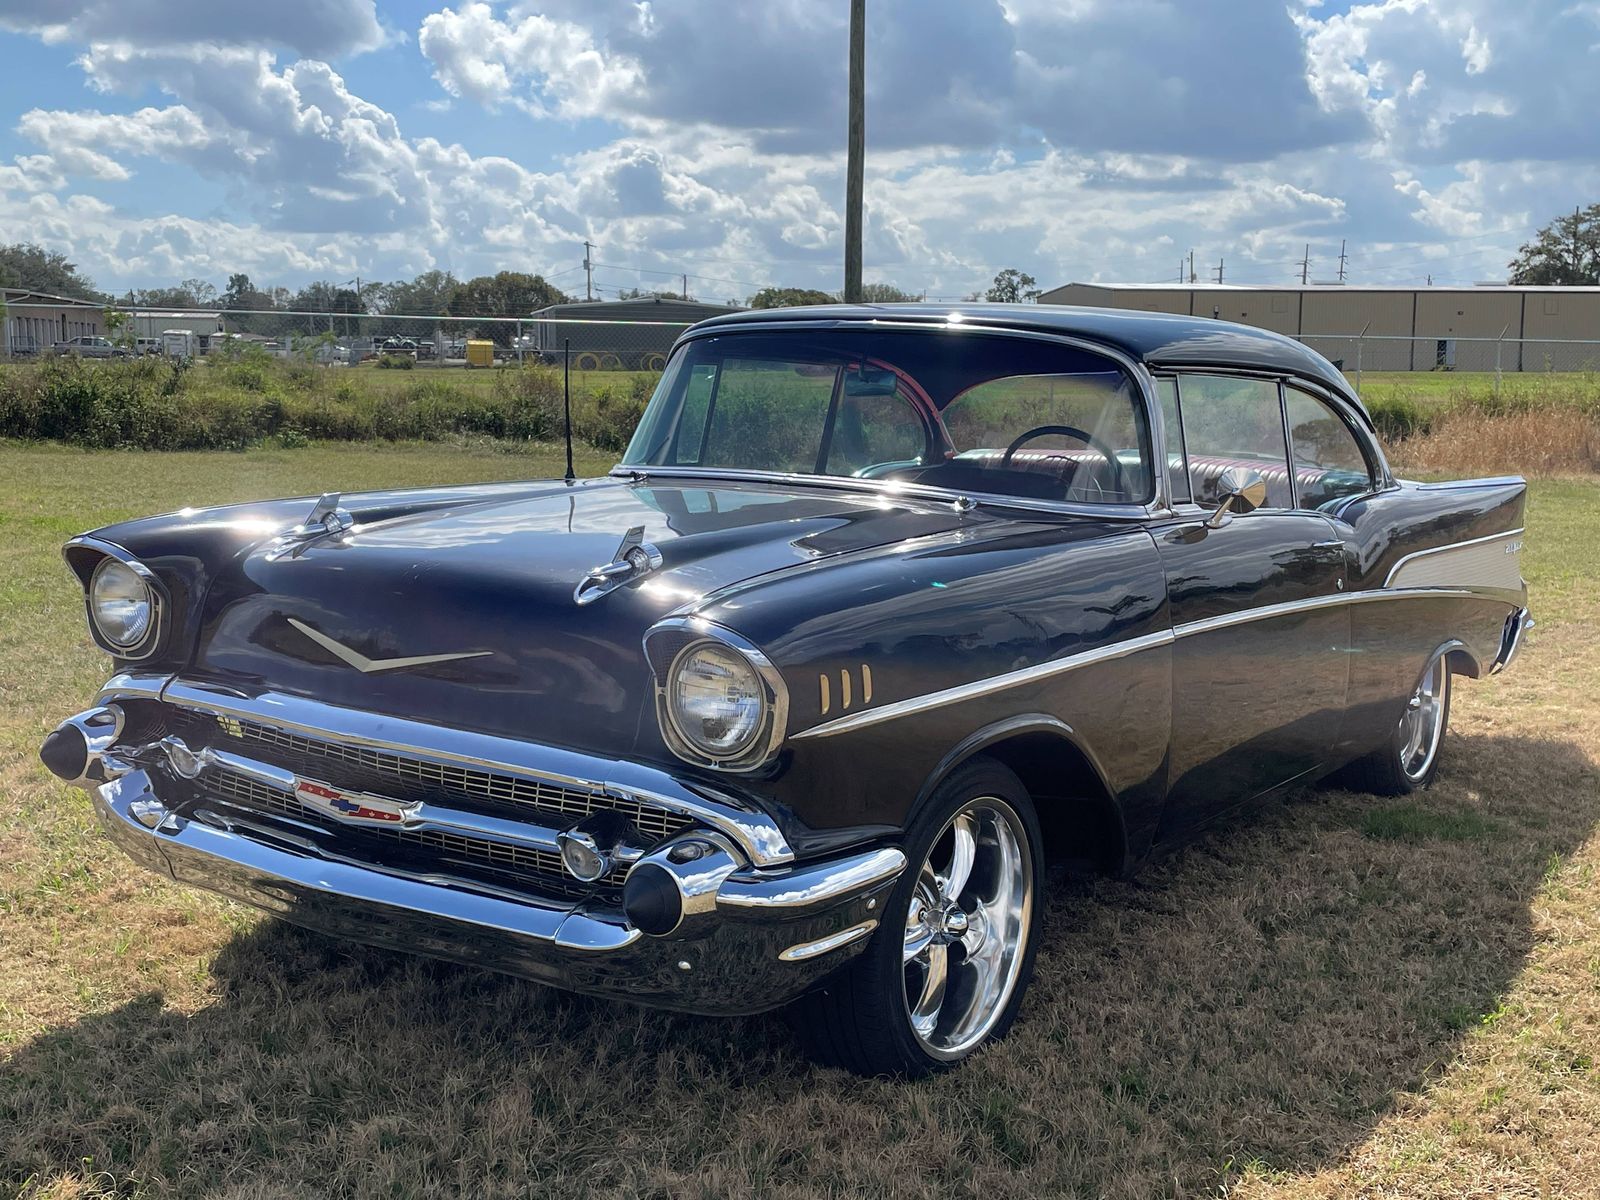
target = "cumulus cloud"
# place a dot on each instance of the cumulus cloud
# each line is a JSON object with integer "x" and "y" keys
{"x": 1086, "y": 138}
{"x": 327, "y": 28}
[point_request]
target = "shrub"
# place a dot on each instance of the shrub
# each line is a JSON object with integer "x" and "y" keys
{"x": 396, "y": 362}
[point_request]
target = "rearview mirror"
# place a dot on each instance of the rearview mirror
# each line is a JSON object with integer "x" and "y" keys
{"x": 1239, "y": 490}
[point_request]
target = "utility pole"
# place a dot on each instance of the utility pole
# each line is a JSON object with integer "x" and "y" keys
{"x": 1342, "y": 257}
{"x": 686, "y": 286}
{"x": 1180, "y": 270}
{"x": 856, "y": 144}
{"x": 1219, "y": 269}
{"x": 1305, "y": 265}
{"x": 588, "y": 272}
{"x": 1191, "y": 266}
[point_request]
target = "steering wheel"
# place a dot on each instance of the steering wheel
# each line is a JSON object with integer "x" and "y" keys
{"x": 1071, "y": 431}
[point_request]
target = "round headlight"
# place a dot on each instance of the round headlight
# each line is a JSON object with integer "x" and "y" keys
{"x": 121, "y": 604}
{"x": 716, "y": 700}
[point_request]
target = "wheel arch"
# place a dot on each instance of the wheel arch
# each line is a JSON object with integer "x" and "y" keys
{"x": 1078, "y": 812}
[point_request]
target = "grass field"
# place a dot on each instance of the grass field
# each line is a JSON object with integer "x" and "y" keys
{"x": 1336, "y": 996}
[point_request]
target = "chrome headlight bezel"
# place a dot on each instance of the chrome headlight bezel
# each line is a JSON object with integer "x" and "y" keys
{"x": 669, "y": 646}
{"x": 149, "y": 638}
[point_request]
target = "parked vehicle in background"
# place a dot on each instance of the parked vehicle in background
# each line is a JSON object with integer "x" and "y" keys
{"x": 148, "y": 345}
{"x": 89, "y": 346}
{"x": 884, "y": 608}
{"x": 180, "y": 343}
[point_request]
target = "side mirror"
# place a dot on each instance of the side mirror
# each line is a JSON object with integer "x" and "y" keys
{"x": 1239, "y": 490}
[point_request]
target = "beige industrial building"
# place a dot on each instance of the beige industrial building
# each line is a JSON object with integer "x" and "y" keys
{"x": 35, "y": 321}
{"x": 1386, "y": 328}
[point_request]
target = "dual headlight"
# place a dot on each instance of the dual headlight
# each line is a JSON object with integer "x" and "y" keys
{"x": 719, "y": 700}
{"x": 124, "y": 606}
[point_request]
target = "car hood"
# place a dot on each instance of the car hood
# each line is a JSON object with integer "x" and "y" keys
{"x": 464, "y": 614}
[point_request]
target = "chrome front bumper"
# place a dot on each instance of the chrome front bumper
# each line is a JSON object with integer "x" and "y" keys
{"x": 769, "y": 936}
{"x": 754, "y": 928}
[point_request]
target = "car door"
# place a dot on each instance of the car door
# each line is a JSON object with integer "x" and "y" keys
{"x": 1262, "y": 636}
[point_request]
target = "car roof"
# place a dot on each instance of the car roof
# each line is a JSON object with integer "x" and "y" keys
{"x": 1161, "y": 340}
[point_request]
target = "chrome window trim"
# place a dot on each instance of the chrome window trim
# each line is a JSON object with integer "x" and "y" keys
{"x": 160, "y": 601}
{"x": 1134, "y": 645}
{"x": 1477, "y": 541}
{"x": 1159, "y": 501}
{"x": 755, "y": 833}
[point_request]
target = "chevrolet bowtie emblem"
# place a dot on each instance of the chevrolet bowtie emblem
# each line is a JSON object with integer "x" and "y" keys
{"x": 371, "y": 666}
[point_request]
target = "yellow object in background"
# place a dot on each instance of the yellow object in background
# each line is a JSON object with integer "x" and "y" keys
{"x": 480, "y": 354}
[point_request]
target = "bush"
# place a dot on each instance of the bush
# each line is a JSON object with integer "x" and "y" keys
{"x": 396, "y": 362}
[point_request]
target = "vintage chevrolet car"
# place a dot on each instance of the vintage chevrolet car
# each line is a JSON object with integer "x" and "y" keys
{"x": 885, "y": 609}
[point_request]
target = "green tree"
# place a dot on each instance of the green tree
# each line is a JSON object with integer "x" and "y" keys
{"x": 429, "y": 294}
{"x": 24, "y": 265}
{"x": 885, "y": 293}
{"x": 776, "y": 297}
{"x": 508, "y": 294}
{"x": 1012, "y": 286}
{"x": 1565, "y": 253}
{"x": 119, "y": 328}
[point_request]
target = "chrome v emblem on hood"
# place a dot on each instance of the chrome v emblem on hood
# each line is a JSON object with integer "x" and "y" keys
{"x": 371, "y": 666}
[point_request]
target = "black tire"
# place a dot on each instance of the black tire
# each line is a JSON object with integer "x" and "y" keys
{"x": 861, "y": 1020}
{"x": 1384, "y": 772}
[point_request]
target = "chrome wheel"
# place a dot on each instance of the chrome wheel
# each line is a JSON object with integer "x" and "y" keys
{"x": 1422, "y": 725}
{"x": 967, "y": 928}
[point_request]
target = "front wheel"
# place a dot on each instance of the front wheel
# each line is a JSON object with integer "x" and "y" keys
{"x": 1409, "y": 760}
{"x": 947, "y": 968}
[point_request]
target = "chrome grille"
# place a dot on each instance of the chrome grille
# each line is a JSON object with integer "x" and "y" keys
{"x": 421, "y": 776}
{"x": 523, "y": 861}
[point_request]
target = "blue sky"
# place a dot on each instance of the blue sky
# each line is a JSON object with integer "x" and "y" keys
{"x": 1074, "y": 139}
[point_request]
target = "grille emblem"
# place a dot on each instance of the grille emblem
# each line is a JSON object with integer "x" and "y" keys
{"x": 357, "y": 808}
{"x": 371, "y": 666}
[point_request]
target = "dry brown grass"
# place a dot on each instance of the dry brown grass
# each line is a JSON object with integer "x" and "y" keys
{"x": 1336, "y": 996}
{"x": 1541, "y": 440}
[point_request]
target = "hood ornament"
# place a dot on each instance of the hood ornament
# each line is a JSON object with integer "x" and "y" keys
{"x": 372, "y": 666}
{"x": 326, "y": 519}
{"x": 635, "y": 558}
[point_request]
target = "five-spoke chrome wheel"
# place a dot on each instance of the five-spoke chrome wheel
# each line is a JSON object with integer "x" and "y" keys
{"x": 1422, "y": 725}
{"x": 967, "y": 928}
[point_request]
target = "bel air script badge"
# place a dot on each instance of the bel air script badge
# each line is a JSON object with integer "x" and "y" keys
{"x": 358, "y": 808}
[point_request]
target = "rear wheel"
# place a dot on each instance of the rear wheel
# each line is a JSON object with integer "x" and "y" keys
{"x": 947, "y": 968}
{"x": 1409, "y": 760}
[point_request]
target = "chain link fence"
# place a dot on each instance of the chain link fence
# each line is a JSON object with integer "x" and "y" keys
{"x": 1357, "y": 354}
{"x": 346, "y": 339}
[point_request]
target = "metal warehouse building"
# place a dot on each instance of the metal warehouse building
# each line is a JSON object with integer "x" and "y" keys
{"x": 1386, "y": 328}
{"x": 35, "y": 321}
{"x": 618, "y": 333}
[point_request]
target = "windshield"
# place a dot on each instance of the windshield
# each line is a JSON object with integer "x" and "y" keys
{"x": 956, "y": 409}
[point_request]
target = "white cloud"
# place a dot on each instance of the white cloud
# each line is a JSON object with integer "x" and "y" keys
{"x": 328, "y": 28}
{"x": 1067, "y": 137}
{"x": 545, "y": 65}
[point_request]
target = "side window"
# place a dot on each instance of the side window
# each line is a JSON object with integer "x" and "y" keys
{"x": 875, "y": 431}
{"x": 1229, "y": 422}
{"x": 1328, "y": 462}
{"x": 1177, "y": 466}
{"x": 692, "y": 417}
{"x": 768, "y": 416}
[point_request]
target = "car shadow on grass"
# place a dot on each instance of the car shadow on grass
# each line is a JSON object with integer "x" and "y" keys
{"x": 1254, "y": 1003}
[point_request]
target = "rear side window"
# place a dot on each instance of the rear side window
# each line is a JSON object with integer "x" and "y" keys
{"x": 1329, "y": 464}
{"x": 1231, "y": 422}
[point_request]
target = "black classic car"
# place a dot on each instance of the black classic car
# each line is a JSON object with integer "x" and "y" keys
{"x": 884, "y": 610}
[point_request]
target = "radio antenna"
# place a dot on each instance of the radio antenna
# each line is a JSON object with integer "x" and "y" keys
{"x": 566, "y": 400}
